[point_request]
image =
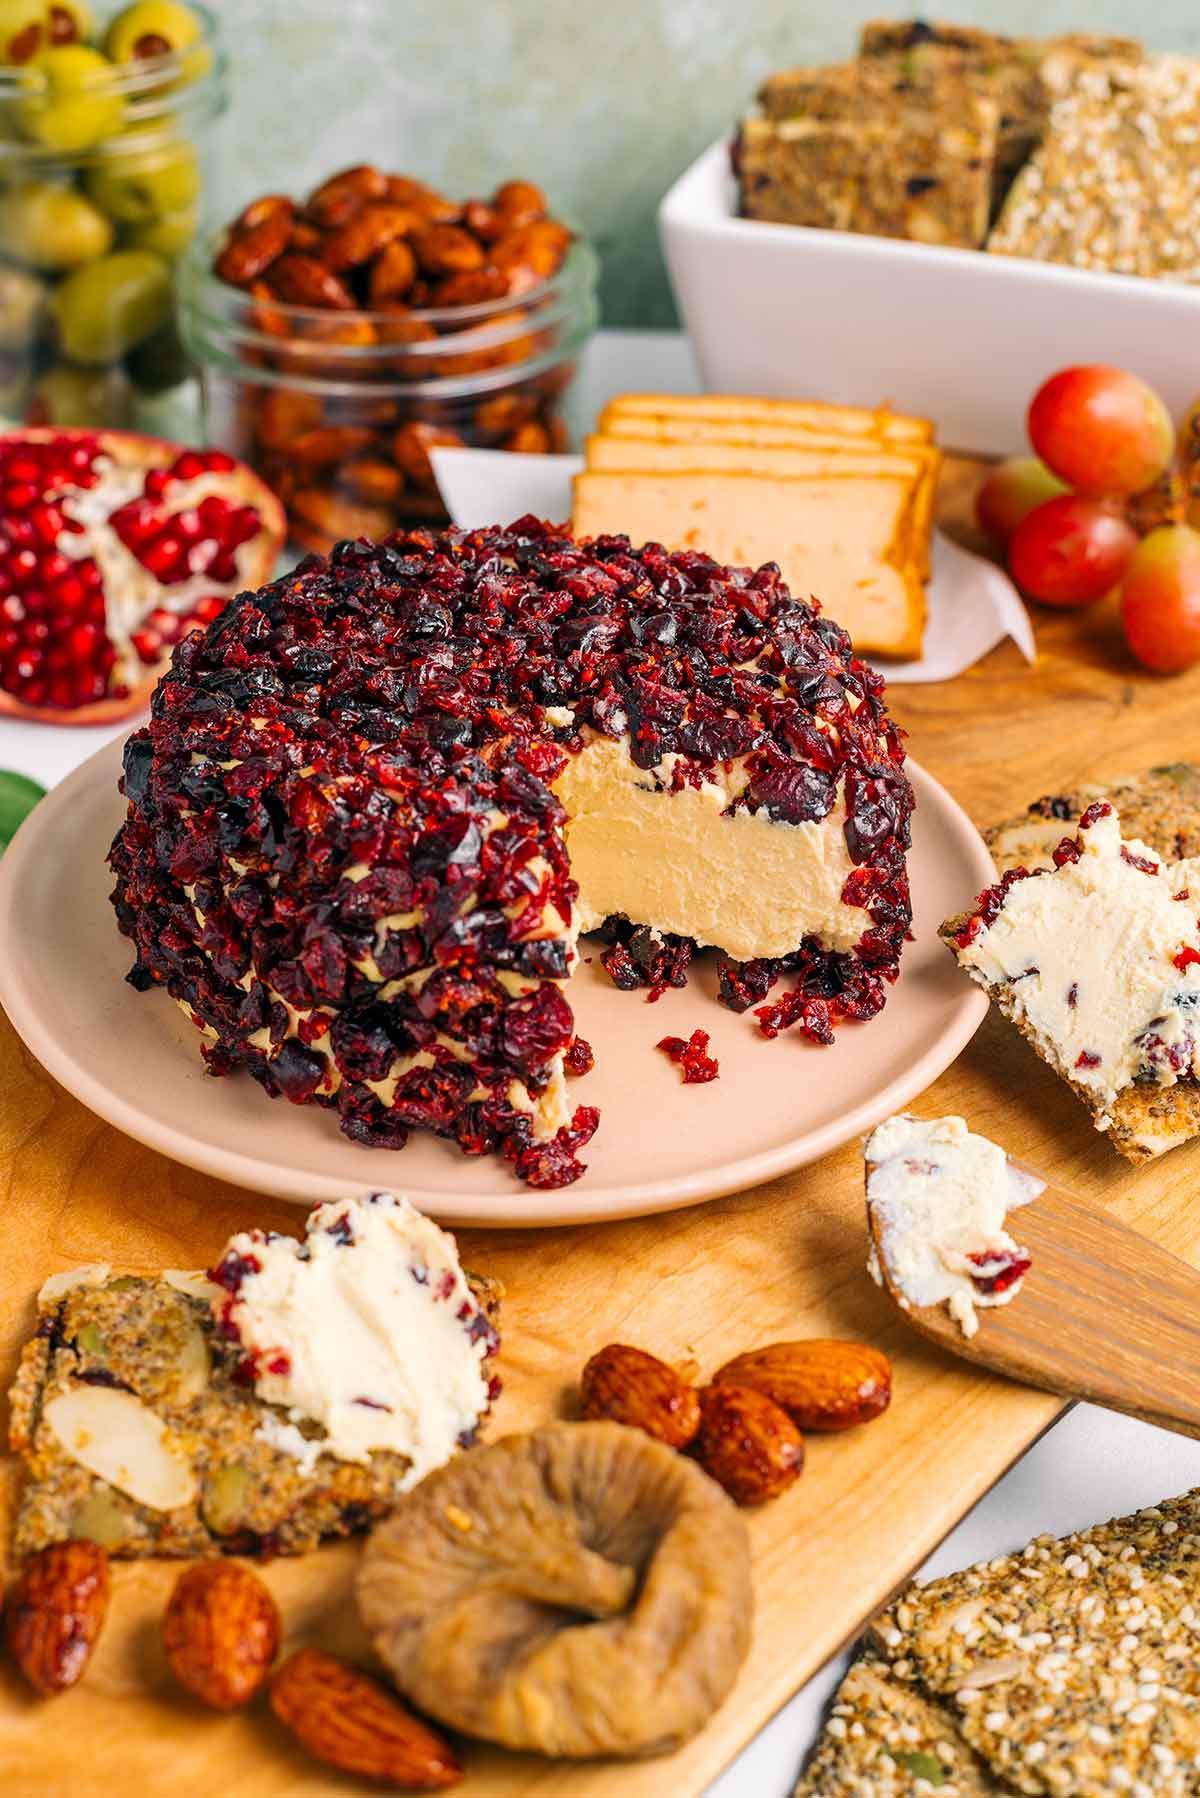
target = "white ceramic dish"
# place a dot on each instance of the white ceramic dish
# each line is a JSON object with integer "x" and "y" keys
{"x": 955, "y": 335}
{"x": 134, "y": 1059}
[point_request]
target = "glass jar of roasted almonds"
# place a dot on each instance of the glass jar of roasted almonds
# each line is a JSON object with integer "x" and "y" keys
{"x": 343, "y": 338}
{"x": 104, "y": 122}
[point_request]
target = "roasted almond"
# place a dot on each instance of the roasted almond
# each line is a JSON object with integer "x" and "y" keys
{"x": 55, "y": 1613}
{"x": 626, "y": 1385}
{"x": 411, "y": 446}
{"x": 822, "y": 1385}
{"x": 370, "y": 231}
{"x": 747, "y": 1443}
{"x": 304, "y": 281}
{"x": 252, "y": 249}
{"x": 392, "y": 273}
{"x": 519, "y": 203}
{"x": 267, "y": 206}
{"x": 351, "y": 1722}
{"x": 343, "y": 194}
{"x": 447, "y": 250}
{"x": 221, "y": 1632}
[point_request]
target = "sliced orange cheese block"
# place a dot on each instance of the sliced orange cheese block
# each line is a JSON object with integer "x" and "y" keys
{"x": 846, "y": 539}
{"x": 877, "y": 421}
{"x": 845, "y": 456}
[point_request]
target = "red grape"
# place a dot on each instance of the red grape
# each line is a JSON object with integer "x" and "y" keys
{"x": 1012, "y": 489}
{"x": 1160, "y": 599}
{"x": 1070, "y": 551}
{"x": 1102, "y": 430}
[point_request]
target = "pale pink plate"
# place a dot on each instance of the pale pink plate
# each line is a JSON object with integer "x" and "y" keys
{"x": 134, "y": 1059}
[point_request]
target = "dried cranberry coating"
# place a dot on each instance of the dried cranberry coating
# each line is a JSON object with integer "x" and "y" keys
{"x": 342, "y": 844}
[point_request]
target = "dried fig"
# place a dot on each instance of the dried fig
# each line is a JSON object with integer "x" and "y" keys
{"x": 577, "y": 1591}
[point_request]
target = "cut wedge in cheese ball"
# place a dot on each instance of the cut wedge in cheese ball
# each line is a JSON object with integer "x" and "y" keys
{"x": 1096, "y": 959}
{"x": 877, "y": 421}
{"x": 379, "y": 800}
{"x": 848, "y": 539}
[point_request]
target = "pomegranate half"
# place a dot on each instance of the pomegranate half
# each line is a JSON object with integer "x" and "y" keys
{"x": 112, "y": 546}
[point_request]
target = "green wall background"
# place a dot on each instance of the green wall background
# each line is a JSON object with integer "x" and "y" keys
{"x": 602, "y": 101}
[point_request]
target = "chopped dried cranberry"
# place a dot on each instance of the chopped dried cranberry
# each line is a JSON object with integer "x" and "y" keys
{"x": 1100, "y": 808}
{"x": 691, "y": 1057}
{"x": 1086, "y": 1059}
{"x": 579, "y": 1058}
{"x": 1186, "y": 958}
{"x": 1005, "y": 1270}
{"x": 1073, "y": 995}
{"x": 233, "y": 1269}
{"x": 1141, "y": 862}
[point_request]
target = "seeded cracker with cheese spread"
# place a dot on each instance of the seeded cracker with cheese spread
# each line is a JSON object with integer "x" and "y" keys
{"x": 263, "y": 1409}
{"x": 1097, "y": 961}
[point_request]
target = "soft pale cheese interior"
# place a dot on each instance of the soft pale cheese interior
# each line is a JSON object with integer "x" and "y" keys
{"x": 1086, "y": 959}
{"x": 939, "y": 1196}
{"x": 359, "y": 1330}
{"x": 845, "y": 538}
{"x": 745, "y": 883}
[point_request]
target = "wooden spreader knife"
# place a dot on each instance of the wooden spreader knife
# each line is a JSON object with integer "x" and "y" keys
{"x": 1103, "y": 1314}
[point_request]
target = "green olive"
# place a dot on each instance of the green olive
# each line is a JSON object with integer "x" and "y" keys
{"x": 71, "y": 22}
{"x": 51, "y": 227}
{"x": 108, "y": 307}
{"x": 24, "y": 30}
{"x": 22, "y": 308}
{"x": 72, "y": 99}
{"x": 136, "y": 186}
{"x": 81, "y": 397}
{"x": 168, "y": 236}
{"x": 160, "y": 363}
{"x": 153, "y": 28}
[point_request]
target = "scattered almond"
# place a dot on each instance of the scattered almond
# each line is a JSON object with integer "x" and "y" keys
{"x": 55, "y": 1613}
{"x": 626, "y": 1385}
{"x": 747, "y": 1443}
{"x": 221, "y": 1632}
{"x": 822, "y": 1384}
{"x": 350, "y": 1721}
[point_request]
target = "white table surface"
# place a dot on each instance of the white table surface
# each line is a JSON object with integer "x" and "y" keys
{"x": 1093, "y": 1465}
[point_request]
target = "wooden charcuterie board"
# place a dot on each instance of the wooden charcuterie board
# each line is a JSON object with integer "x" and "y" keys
{"x": 783, "y": 1260}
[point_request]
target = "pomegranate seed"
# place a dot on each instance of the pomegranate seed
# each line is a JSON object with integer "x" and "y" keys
{"x": 35, "y": 630}
{"x": 222, "y": 567}
{"x": 23, "y": 469}
{"x": 69, "y": 594}
{"x": 10, "y": 636}
{"x": 35, "y": 601}
{"x": 46, "y": 520}
{"x": 82, "y": 641}
{"x": 27, "y": 663}
{"x": 12, "y": 609}
{"x": 148, "y": 644}
{"x": 19, "y": 497}
{"x": 54, "y": 566}
{"x": 24, "y": 566}
{"x": 188, "y": 466}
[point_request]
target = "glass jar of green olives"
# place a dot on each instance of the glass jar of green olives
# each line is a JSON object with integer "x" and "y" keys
{"x": 103, "y": 130}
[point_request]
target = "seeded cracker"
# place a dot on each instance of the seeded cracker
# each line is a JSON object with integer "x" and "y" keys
{"x": 1074, "y": 1666}
{"x": 260, "y": 1484}
{"x": 1115, "y": 183}
{"x": 884, "y": 1739}
{"x": 1161, "y": 808}
{"x": 913, "y": 174}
